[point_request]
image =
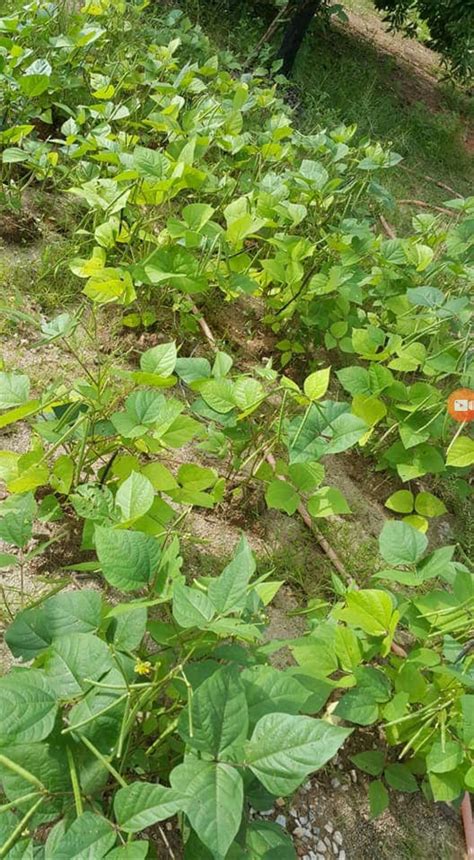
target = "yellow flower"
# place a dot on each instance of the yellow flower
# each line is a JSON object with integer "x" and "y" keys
{"x": 142, "y": 667}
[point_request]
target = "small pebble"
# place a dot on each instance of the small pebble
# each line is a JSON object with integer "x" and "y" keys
{"x": 279, "y": 801}
{"x": 328, "y": 827}
{"x": 320, "y": 857}
{"x": 281, "y": 820}
{"x": 267, "y": 812}
{"x": 338, "y": 837}
{"x": 303, "y": 819}
{"x": 299, "y": 832}
{"x": 335, "y": 783}
{"x": 335, "y": 848}
{"x": 321, "y": 847}
{"x": 293, "y": 812}
{"x": 169, "y": 825}
{"x": 342, "y": 855}
{"x": 327, "y": 841}
{"x": 353, "y": 776}
{"x": 307, "y": 786}
{"x": 345, "y": 788}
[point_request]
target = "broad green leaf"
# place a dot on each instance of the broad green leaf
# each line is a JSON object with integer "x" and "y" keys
{"x": 247, "y": 393}
{"x": 402, "y": 502}
{"x": 357, "y": 707}
{"x": 191, "y": 608}
{"x": 28, "y": 707}
{"x": 129, "y": 627}
{"x": 73, "y": 657}
{"x": 369, "y": 609}
{"x": 214, "y": 800}
{"x": 402, "y": 544}
{"x": 266, "y": 840}
{"x": 160, "y": 359}
{"x": 398, "y": 776}
{"x": 446, "y": 787}
{"x": 89, "y": 836}
{"x": 269, "y": 690}
{"x": 370, "y": 761}
{"x": 222, "y": 364}
{"x": 371, "y": 409}
{"x": 461, "y": 452}
{"x": 142, "y": 804}
{"x": 219, "y": 395}
{"x": 14, "y": 389}
{"x": 282, "y": 496}
{"x": 33, "y": 630}
{"x": 228, "y": 592}
{"x": 284, "y": 749}
{"x": 137, "y": 850}
{"x": 429, "y": 506}
{"x": 444, "y": 757}
{"x": 128, "y": 559}
{"x": 134, "y": 497}
{"x": 326, "y": 502}
{"x": 348, "y": 649}
{"x": 192, "y": 369}
{"x": 219, "y": 716}
{"x": 316, "y": 384}
{"x": 378, "y": 798}
{"x": 150, "y": 162}
{"x": 194, "y": 477}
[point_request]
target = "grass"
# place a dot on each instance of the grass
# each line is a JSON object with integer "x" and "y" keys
{"x": 340, "y": 76}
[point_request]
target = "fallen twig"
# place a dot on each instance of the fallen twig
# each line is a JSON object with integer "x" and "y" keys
{"x": 425, "y": 205}
{"x": 387, "y": 228}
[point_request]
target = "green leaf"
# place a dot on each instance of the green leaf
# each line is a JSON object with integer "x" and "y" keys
{"x": 282, "y": 496}
{"x": 129, "y": 628}
{"x": 370, "y": 761}
{"x": 214, "y": 800}
{"x": 128, "y": 559}
{"x": 191, "y": 608}
{"x": 35, "y": 79}
{"x": 327, "y": 502}
{"x": 358, "y": 708}
{"x": 247, "y": 393}
{"x": 33, "y": 630}
{"x": 219, "y": 715}
{"x": 14, "y": 389}
{"x": 429, "y": 506}
{"x": 229, "y": 591}
{"x": 28, "y": 707}
{"x": 316, "y": 384}
{"x": 402, "y": 544}
{"x": 73, "y": 657}
{"x": 402, "y": 502}
{"x": 160, "y": 359}
{"x": 134, "y": 497}
{"x": 461, "y": 452}
{"x": 266, "y": 840}
{"x": 131, "y": 851}
{"x": 142, "y": 804}
{"x": 269, "y": 690}
{"x": 378, "y": 798}
{"x": 446, "y": 787}
{"x": 219, "y": 395}
{"x": 369, "y": 609}
{"x": 444, "y": 757}
{"x": 150, "y": 162}
{"x": 90, "y": 835}
{"x": 284, "y": 749}
{"x": 398, "y": 776}
{"x": 192, "y": 369}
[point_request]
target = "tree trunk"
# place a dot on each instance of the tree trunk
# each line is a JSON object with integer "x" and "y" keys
{"x": 295, "y": 32}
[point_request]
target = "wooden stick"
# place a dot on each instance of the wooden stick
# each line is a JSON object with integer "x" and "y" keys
{"x": 424, "y": 205}
{"x": 466, "y": 814}
{"x": 387, "y": 228}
